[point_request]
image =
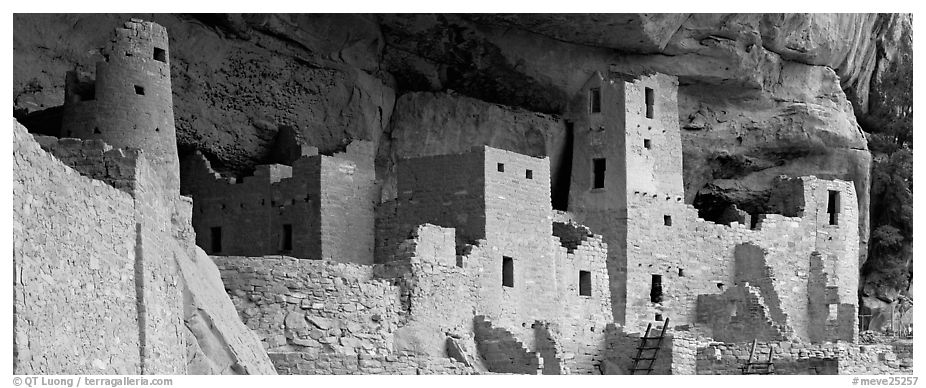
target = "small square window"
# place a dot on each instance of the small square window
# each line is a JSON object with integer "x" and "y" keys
{"x": 529, "y": 174}
{"x": 501, "y": 167}
{"x": 160, "y": 55}
{"x": 667, "y": 220}
{"x": 659, "y": 317}
{"x": 646, "y": 143}
{"x": 139, "y": 90}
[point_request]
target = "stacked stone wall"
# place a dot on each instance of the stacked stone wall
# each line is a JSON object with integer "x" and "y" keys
{"x": 74, "y": 294}
{"x": 804, "y": 359}
{"x": 327, "y": 201}
{"x": 132, "y": 104}
{"x": 704, "y": 252}
{"x": 312, "y": 306}
{"x": 318, "y": 317}
{"x": 297, "y": 363}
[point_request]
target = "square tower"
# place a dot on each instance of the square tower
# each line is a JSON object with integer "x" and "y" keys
{"x": 627, "y": 143}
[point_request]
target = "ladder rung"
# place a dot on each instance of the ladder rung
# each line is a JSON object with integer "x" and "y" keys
{"x": 648, "y": 347}
{"x": 645, "y": 358}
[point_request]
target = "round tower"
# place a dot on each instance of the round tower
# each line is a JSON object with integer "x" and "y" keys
{"x": 130, "y": 103}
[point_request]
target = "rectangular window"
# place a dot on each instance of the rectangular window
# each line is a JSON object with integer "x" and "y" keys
{"x": 529, "y": 174}
{"x": 598, "y": 168}
{"x": 646, "y": 143}
{"x": 160, "y": 55}
{"x": 650, "y": 99}
{"x": 585, "y": 283}
{"x": 832, "y": 207}
{"x": 667, "y": 220}
{"x": 139, "y": 90}
{"x": 655, "y": 291}
{"x": 594, "y": 100}
{"x": 215, "y": 239}
{"x": 501, "y": 167}
{"x": 287, "y": 241}
{"x": 507, "y": 271}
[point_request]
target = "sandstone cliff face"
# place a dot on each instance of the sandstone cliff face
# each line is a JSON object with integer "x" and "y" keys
{"x": 760, "y": 94}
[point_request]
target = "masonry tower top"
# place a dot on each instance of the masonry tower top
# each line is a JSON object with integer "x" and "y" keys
{"x": 129, "y": 104}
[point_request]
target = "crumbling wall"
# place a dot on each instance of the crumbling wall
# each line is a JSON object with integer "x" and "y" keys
{"x": 796, "y": 358}
{"x": 695, "y": 257}
{"x": 502, "y": 352}
{"x": 326, "y": 202}
{"x": 297, "y": 363}
{"x": 438, "y": 291}
{"x": 582, "y": 321}
{"x": 312, "y": 306}
{"x": 319, "y": 317}
{"x": 75, "y": 309}
{"x": 739, "y": 314}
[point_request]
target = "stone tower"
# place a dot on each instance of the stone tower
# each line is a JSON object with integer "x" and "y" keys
{"x": 129, "y": 104}
{"x": 627, "y": 144}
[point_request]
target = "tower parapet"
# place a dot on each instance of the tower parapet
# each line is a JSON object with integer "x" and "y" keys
{"x": 129, "y": 103}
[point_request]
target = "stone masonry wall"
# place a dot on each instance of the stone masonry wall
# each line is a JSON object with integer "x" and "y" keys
{"x": 312, "y": 306}
{"x": 319, "y": 317}
{"x": 75, "y": 305}
{"x": 695, "y": 257}
{"x": 131, "y": 104}
{"x": 160, "y": 306}
{"x": 123, "y": 238}
{"x": 803, "y": 359}
{"x": 739, "y": 314}
{"x": 327, "y": 201}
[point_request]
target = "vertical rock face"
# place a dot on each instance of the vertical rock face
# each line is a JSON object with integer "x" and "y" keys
{"x": 759, "y": 94}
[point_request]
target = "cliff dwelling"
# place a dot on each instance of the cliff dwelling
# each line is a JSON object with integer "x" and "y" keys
{"x": 568, "y": 245}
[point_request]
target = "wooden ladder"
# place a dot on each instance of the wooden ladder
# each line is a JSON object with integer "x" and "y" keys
{"x": 758, "y": 367}
{"x": 646, "y": 346}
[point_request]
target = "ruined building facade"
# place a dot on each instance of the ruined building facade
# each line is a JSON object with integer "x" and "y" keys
{"x": 320, "y": 207}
